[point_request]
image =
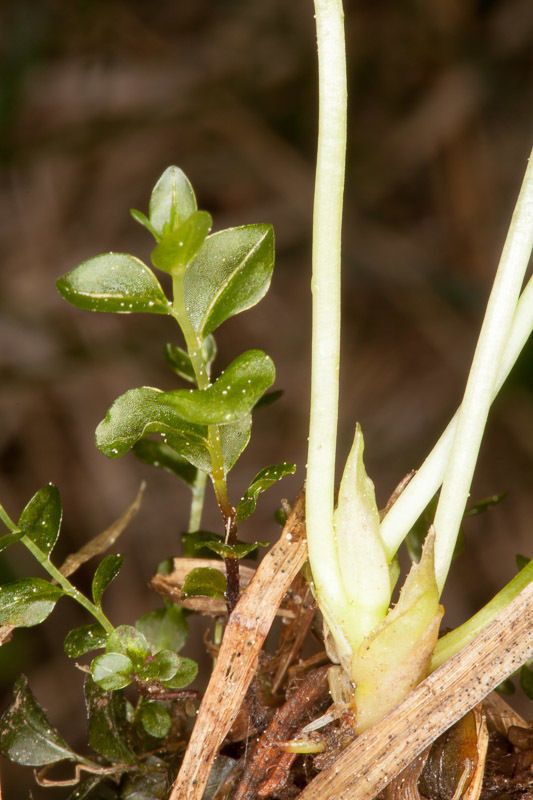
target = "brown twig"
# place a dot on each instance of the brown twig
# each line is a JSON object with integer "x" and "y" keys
{"x": 382, "y": 752}
{"x": 247, "y": 629}
{"x": 268, "y": 767}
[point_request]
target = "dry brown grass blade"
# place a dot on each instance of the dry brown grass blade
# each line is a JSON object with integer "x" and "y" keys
{"x": 500, "y": 715}
{"x": 482, "y": 744}
{"x": 405, "y": 786}
{"x": 104, "y": 540}
{"x": 235, "y": 668}
{"x": 382, "y": 752}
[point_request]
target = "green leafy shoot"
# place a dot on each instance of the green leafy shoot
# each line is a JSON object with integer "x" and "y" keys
{"x": 143, "y": 220}
{"x": 40, "y": 520}
{"x": 172, "y": 201}
{"x": 264, "y": 479}
{"x": 202, "y": 544}
{"x": 164, "y": 629}
{"x": 27, "y": 602}
{"x": 204, "y": 581}
{"x": 231, "y": 397}
{"x": 107, "y": 571}
{"x": 161, "y": 667}
{"x": 82, "y": 640}
{"x": 195, "y": 543}
{"x": 130, "y": 642}
{"x": 139, "y": 412}
{"x": 114, "y": 282}
{"x": 176, "y": 248}
{"x": 155, "y": 719}
{"x": 184, "y": 675}
{"x": 26, "y": 735}
{"x": 108, "y": 723}
{"x": 112, "y": 671}
{"x": 230, "y": 274}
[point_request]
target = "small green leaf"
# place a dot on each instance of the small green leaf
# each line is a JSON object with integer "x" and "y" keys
{"x": 41, "y": 518}
{"x": 231, "y": 397}
{"x": 142, "y": 411}
{"x": 240, "y": 550}
{"x": 526, "y": 680}
{"x": 108, "y": 725}
{"x": 114, "y": 282}
{"x": 27, "y": 602}
{"x": 521, "y": 561}
{"x": 84, "y": 639}
{"x": 234, "y": 439}
{"x": 106, "y": 571}
{"x": 26, "y": 735}
{"x": 162, "y": 667}
{"x": 204, "y": 581}
{"x": 143, "y": 220}
{"x": 9, "y": 539}
{"x": 484, "y": 505}
{"x": 112, "y": 671}
{"x": 164, "y": 628}
{"x": 181, "y": 363}
{"x": 159, "y": 454}
{"x": 185, "y": 674}
{"x": 130, "y": 642}
{"x": 230, "y": 274}
{"x": 194, "y": 543}
{"x": 177, "y": 247}
{"x": 155, "y": 719}
{"x": 264, "y": 479}
{"x": 172, "y": 200}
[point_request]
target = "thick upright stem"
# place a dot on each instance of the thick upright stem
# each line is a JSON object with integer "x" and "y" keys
{"x": 482, "y": 379}
{"x": 327, "y": 221}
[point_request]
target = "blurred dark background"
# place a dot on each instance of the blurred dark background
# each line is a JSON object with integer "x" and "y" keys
{"x": 96, "y": 99}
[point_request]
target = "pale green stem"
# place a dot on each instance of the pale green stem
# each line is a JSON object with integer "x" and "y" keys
{"x": 327, "y": 222}
{"x": 56, "y": 575}
{"x": 452, "y": 642}
{"x": 426, "y": 482}
{"x": 197, "y": 502}
{"x": 194, "y": 349}
{"x": 482, "y": 378}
